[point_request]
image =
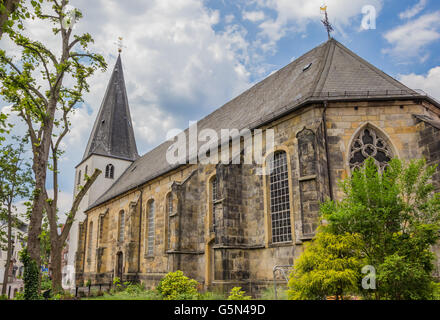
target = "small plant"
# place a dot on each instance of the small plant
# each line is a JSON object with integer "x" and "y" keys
{"x": 3, "y": 297}
{"x": 176, "y": 286}
{"x": 88, "y": 283}
{"x": 237, "y": 294}
{"x": 269, "y": 294}
{"x": 117, "y": 284}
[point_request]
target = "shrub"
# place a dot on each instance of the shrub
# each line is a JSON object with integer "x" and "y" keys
{"x": 329, "y": 266}
{"x": 176, "y": 286}
{"x": 397, "y": 214}
{"x": 237, "y": 294}
{"x": 3, "y": 297}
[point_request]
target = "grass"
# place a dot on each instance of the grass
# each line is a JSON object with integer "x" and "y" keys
{"x": 144, "y": 295}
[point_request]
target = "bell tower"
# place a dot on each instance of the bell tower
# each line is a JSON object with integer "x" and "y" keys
{"x": 111, "y": 148}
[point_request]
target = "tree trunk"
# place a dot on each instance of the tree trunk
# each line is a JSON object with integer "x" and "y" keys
{"x": 10, "y": 6}
{"x": 55, "y": 266}
{"x": 9, "y": 254}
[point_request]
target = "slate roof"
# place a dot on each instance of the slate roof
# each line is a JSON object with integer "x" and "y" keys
{"x": 327, "y": 72}
{"x": 112, "y": 134}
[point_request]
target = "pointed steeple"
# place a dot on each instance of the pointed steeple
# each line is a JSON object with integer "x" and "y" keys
{"x": 112, "y": 133}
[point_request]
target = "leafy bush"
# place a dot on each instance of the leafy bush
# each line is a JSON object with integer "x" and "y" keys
{"x": 397, "y": 215}
{"x": 3, "y": 297}
{"x": 329, "y": 266}
{"x": 176, "y": 286}
{"x": 237, "y": 294}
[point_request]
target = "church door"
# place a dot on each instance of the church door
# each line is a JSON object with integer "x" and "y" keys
{"x": 119, "y": 266}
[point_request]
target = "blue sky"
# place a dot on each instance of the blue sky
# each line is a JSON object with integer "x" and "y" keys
{"x": 185, "y": 58}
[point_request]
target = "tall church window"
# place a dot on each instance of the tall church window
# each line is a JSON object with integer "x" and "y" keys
{"x": 169, "y": 214}
{"x": 121, "y": 226}
{"x": 90, "y": 244}
{"x": 150, "y": 231}
{"x": 79, "y": 177}
{"x": 87, "y": 171}
{"x": 279, "y": 198}
{"x": 214, "y": 199}
{"x": 101, "y": 227}
{"x": 109, "y": 171}
{"x": 370, "y": 143}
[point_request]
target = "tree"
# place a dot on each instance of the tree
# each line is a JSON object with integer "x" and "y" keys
{"x": 7, "y": 8}
{"x": 329, "y": 266}
{"x": 15, "y": 183}
{"x": 44, "y": 89}
{"x": 397, "y": 215}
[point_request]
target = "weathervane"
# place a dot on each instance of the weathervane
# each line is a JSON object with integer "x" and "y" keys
{"x": 120, "y": 44}
{"x": 325, "y": 22}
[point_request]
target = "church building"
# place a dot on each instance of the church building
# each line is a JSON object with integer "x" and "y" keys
{"x": 227, "y": 224}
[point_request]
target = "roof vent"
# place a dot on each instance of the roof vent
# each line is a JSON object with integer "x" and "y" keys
{"x": 307, "y": 67}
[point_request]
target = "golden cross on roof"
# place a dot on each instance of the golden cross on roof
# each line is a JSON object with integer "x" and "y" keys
{"x": 120, "y": 44}
{"x": 325, "y": 21}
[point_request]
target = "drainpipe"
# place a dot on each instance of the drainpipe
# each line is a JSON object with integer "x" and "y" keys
{"x": 324, "y": 121}
{"x": 140, "y": 234}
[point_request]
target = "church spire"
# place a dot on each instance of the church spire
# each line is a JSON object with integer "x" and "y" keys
{"x": 112, "y": 134}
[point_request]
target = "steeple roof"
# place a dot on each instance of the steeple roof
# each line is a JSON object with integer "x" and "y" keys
{"x": 329, "y": 72}
{"x": 112, "y": 134}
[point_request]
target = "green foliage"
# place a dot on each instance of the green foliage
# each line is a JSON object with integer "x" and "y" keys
{"x": 397, "y": 215}
{"x": 3, "y": 297}
{"x": 46, "y": 283}
{"x": 30, "y": 276}
{"x": 329, "y": 266}
{"x": 212, "y": 296}
{"x": 176, "y": 286}
{"x": 19, "y": 296}
{"x": 237, "y": 294}
{"x": 269, "y": 294}
{"x": 134, "y": 288}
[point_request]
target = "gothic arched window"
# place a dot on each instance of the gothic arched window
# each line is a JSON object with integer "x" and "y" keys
{"x": 109, "y": 171}
{"x": 279, "y": 198}
{"x": 369, "y": 143}
{"x": 150, "y": 231}
{"x": 79, "y": 177}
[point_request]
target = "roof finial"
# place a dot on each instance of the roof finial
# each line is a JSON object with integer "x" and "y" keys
{"x": 120, "y": 44}
{"x": 325, "y": 21}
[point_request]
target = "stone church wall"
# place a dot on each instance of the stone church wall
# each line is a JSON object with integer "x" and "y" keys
{"x": 240, "y": 251}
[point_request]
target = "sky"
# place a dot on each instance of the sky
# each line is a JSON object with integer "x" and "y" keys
{"x": 183, "y": 59}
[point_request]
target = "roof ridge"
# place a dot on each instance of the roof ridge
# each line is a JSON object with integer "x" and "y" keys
{"x": 325, "y": 67}
{"x": 381, "y": 73}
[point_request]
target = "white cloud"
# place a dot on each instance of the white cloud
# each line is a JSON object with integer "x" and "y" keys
{"x": 253, "y": 16}
{"x": 414, "y": 10}
{"x": 428, "y": 83}
{"x": 295, "y": 15}
{"x": 410, "y": 39}
{"x": 176, "y": 67}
